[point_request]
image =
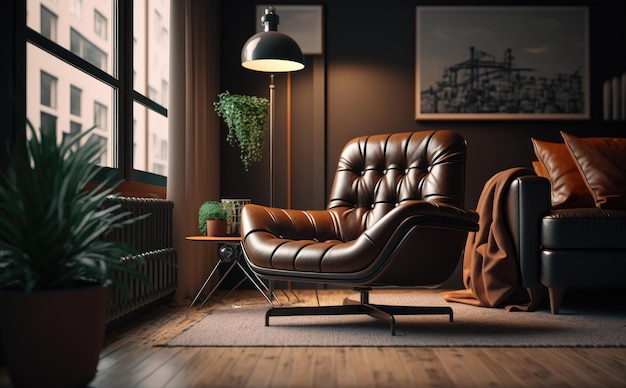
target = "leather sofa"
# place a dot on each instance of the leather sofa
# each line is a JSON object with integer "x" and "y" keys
{"x": 568, "y": 235}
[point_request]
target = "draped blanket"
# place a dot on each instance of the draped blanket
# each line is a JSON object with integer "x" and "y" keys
{"x": 490, "y": 266}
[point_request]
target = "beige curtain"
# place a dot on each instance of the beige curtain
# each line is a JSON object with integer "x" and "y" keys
{"x": 193, "y": 175}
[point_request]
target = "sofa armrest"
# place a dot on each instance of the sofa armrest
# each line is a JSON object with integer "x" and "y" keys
{"x": 527, "y": 201}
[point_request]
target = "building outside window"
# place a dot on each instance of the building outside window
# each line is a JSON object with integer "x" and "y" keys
{"x": 101, "y": 97}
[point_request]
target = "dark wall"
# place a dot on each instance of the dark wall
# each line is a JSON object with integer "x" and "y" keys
{"x": 369, "y": 65}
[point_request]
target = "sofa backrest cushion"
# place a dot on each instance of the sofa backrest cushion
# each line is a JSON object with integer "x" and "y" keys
{"x": 602, "y": 163}
{"x": 569, "y": 189}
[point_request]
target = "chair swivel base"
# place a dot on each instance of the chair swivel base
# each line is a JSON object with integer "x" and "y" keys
{"x": 382, "y": 312}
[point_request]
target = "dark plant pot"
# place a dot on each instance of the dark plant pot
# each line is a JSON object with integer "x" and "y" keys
{"x": 216, "y": 228}
{"x": 53, "y": 338}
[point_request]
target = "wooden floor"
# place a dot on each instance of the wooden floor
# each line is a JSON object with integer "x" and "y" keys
{"x": 132, "y": 359}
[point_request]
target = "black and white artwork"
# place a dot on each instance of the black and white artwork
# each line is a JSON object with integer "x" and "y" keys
{"x": 506, "y": 62}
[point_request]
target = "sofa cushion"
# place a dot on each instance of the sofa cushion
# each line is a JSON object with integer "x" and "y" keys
{"x": 569, "y": 190}
{"x": 540, "y": 170}
{"x": 590, "y": 228}
{"x": 602, "y": 162}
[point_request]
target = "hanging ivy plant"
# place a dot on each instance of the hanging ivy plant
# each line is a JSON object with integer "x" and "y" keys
{"x": 245, "y": 117}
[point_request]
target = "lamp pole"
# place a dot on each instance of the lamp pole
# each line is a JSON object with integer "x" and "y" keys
{"x": 272, "y": 88}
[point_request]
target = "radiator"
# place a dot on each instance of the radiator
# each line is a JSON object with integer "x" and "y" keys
{"x": 152, "y": 240}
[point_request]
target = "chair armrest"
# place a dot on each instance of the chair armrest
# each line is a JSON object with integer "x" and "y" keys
{"x": 527, "y": 201}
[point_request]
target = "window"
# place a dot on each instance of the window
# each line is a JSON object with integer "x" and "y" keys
{"x": 87, "y": 50}
{"x": 48, "y": 121}
{"x": 76, "y": 7}
{"x": 100, "y": 24}
{"x": 75, "y": 95}
{"x": 117, "y": 77}
{"x": 103, "y": 146}
{"x": 48, "y": 90}
{"x": 75, "y": 128}
{"x": 48, "y": 24}
{"x": 100, "y": 116}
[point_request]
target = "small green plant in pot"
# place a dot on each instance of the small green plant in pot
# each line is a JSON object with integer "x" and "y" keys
{"x": 212, "y": 219}
{"x": 54, "y": 263}
{"x": 245, "y": 117}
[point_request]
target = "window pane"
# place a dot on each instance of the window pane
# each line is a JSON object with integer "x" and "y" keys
{"x": 48, "y": 24}
{"x": 151, "y": 49}
{"x": 75, "y": 100}
{"x": 48, "y": 121}
{"x": 150, "y": 140}
{"x": 95, "y": 106}
{"x": 81, "y": 26}
{"x": 48, "y": 89}
{"x": 100, "y": 25}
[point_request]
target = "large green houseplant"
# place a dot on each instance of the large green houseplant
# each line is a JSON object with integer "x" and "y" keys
{"x": 54, "y": 263}
{"x": 245, "y": 117}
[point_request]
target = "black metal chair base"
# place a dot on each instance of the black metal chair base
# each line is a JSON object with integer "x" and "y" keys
{"x": 382, "y": 312}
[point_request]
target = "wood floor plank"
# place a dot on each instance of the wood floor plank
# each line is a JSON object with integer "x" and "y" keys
{"x": 324, "y": 371}
{"x": 301, "y": 373}
{"x": 360, "y": 362}
{"x": 157, "y": 360}
{"x": 122, "y": 362}
{"x": 192, "y": 366}
{"x": 455, "y": 364}
{"x": 572, "y": 368}
{"x": 265, "y": 368}
{"x": 499, "y": 371}
{"x": 218, "y": 371}
{"x": 132, "y": 357}
{"x": 612, "y": 360}
{"x": 526, "y": 368}
{"x": 235, "y": 372}
{"x": 388, "y": 372}
{"x": 426, "y": 368}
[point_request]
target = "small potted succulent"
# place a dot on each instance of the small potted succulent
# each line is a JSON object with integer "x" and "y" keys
{"x": 245, "y": 117}
{"x": 212, "y": 219}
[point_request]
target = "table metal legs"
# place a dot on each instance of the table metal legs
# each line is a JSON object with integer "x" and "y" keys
{"x": 232, "y": 253}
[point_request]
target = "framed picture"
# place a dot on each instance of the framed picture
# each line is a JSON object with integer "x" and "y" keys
{"x": 301, "y": 22}
{"x": 502, "y": 63}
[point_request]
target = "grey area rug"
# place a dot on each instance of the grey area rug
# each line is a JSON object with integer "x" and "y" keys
{"x": 575, "y": 326}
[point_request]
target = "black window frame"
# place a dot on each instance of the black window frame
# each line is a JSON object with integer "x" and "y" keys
{"x": 122, "y": 84}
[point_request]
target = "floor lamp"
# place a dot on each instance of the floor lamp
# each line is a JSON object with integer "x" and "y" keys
{"x": 272, "y": 52}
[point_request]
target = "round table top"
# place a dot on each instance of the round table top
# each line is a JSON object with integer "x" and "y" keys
{"x": 214, "y": 238}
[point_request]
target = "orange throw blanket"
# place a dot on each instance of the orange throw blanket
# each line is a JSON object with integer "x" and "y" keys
{"x": 490, "y": 270}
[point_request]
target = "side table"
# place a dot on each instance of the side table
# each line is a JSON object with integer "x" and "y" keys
{"x": 231, "y": 252}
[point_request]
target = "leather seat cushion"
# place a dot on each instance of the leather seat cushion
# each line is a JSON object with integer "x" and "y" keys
{"x": 584, "y": 228}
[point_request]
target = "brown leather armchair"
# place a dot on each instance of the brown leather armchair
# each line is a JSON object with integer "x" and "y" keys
{"x": 395, "y": 217}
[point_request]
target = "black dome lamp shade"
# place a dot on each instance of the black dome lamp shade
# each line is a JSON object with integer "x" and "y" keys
{"x": 271, "y": 51}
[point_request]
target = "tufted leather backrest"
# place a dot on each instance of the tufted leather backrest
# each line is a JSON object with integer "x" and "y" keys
{"x": 376, "y": 173}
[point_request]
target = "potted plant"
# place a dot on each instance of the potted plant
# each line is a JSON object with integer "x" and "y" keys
{"x": 54, "y": 264}
{"x": 245, "y": 117}
{"x": 212, "y": 219}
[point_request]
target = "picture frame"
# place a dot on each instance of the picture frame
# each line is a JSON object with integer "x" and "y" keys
{"x": 502, "y": 63}
{"x": 303, "y": 23}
